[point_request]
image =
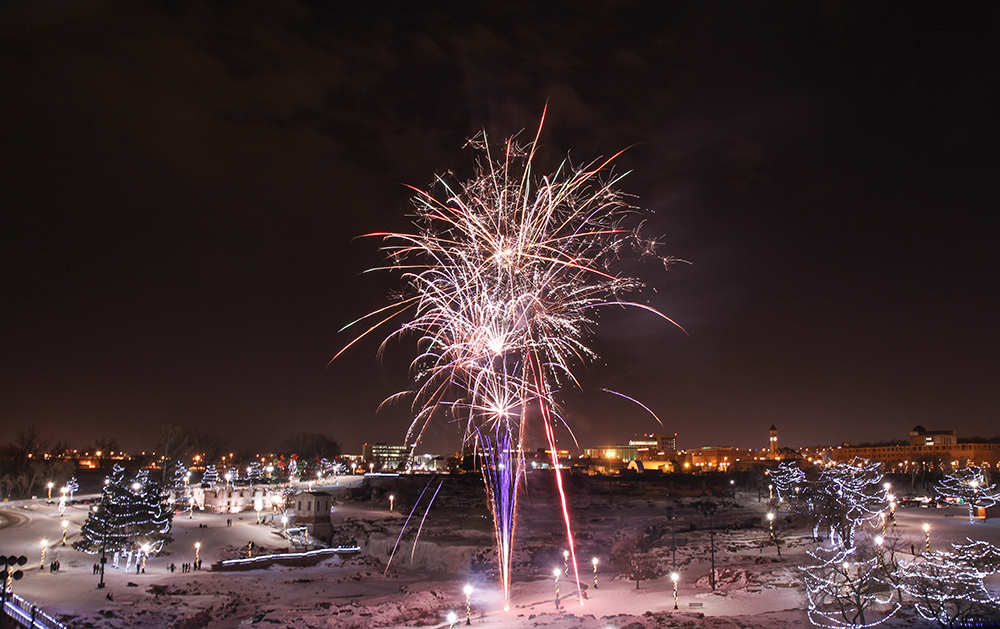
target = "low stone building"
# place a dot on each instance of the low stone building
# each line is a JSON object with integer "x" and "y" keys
{"x": 312, "y": 510}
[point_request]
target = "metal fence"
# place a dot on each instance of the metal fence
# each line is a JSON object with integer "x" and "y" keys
{"x": 25, "y": 614}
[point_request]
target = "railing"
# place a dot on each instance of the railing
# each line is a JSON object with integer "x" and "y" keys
{"x": 27, "y": 615}
{"x": 265, "y": 560}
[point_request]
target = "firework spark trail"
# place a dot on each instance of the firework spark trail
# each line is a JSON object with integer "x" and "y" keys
{"x": 504, "y": 273}
{"x": 421, "y": 527}
{"x": 407, "y": 523}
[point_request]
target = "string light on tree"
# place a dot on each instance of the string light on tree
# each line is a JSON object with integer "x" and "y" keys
{"x": 949, "y": 590}
{"x": 556, "y": 574}
{"x": 468, "y": 604}
{"x": 845, "y": 589}
{"x": 968, "y": 485}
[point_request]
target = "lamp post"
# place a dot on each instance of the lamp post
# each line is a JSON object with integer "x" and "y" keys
{"x": 65, "y": 524}
{"x": 878, "y": 542}
{"x": 104, "y": 546}
{"x": 145, "y": 553}
{"x": 594, "y": 560}
{"x": 197, "y": 554}
{"x": 927, "y": 536}
{"x": 673, "y": 536}
{"x": 41, "y": 564}
{"x": 468, "y": 604}
{"x": 556, "y": 574}
{"x": 392, "y": 500}
{"x": 452, "y": 617}
{"x": 673, "y": 577}
{"x": 50, "y": 489}
{"x": 770, "y": 492}
{"x": 566, "y": 561}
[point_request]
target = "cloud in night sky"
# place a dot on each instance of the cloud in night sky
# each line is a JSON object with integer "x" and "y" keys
{"x": 183, "y": 182}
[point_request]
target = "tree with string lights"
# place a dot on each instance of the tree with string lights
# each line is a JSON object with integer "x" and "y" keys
{"x": 845, "y": 496}
{"x": 786, "y": 478}
{"x": 180, "y": 479}
{"x": 982, "y": 556}
{"x": 254, "y": 472}
{"x": 130, "y": 513}
{"x": 950, "y": 591}
{"x": 210, "y": 475}
{"x": 843, "y": 589}
{"x": 73, "y": 486}
{"x": 969, "y": 486}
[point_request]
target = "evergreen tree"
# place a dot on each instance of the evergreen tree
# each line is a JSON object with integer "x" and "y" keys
{"x": 210, "y": 475}
{"x": 254, "y": 472}
{"x": 130, "y": 513}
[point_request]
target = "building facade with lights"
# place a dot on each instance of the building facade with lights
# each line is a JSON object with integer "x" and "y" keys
{"x": 939, "y": 449}
{"x": 381, "y": 456}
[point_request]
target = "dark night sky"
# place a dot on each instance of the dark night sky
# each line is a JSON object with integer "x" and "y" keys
{"x": 181, "y": 183}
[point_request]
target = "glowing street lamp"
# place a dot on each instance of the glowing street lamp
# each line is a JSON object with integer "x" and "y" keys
{"x": 770, "y": 492}
{"x": 50, "y": 485}
{"x": 673, "y": 577}
{"x": 594, "y": 560}
{"x": 468, "y": 604}
{"x": 452, "y": 617}
{"x": 566, "y": 561}
{"x": 392, "y": 500}
{"x": 65, "y": 524}
{"x": 145, "y": 553}
{"x": 556, "y": 574}
{"x": 41, "y": 564}
{"x": 878, "y": 542}
{"x": 197, "y": 553}
{"x": 927, "y": 536}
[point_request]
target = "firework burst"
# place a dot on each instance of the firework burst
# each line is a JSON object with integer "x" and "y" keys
{"x": 503, "y": 276}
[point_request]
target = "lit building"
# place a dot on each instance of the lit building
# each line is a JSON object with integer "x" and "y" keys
{"x": 380, "y": 457}
{"x": 651, "y": 447}
{"x": 937, "y": 449}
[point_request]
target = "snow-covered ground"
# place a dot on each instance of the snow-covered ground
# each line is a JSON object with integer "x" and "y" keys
{"x": 756, "y": 587}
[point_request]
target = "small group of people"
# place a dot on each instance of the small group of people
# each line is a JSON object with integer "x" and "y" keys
{"x": 229, "y": 522}
{"x": 54, "y": 566}
{"x": 187, "y": 567}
